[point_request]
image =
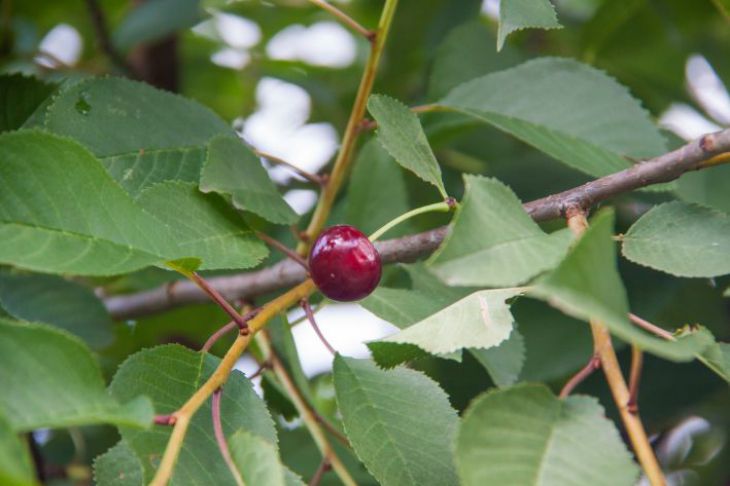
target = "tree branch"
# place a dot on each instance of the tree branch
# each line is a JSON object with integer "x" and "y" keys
{"x": 705, "y": 152}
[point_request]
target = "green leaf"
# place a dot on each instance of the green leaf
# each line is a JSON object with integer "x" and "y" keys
{"x": 464, "y": 55}
{"x": 258, "y": 462}
{"x": 587, "y": 285}
{"x": 377, "y": 192}
{"x": 60, "y": 212}
{"x": 115, "y": 116}
{"x": 154, "y": 20}
{"x": 401, "y": 134}
{"x": 480, "y": 320}
{"x": 50, "y": 379}
{"x": 15, "y": 465}
{"x": 570, "y": 111}
{"x": 20, "y": 96}
{"x": 233, "y": 169}
{"x": 400, "y": 307}
{"x": 204, "y": 226}
{"x": 717, "y": 358}
{"x": 169, "y": 375}
{"x": 493, "y": 242}
{"x": 524, "y": 14}
{"x": 399, "y": 422}
{"x": 503, "y": 362}
{"x": 54, "y": 300}
{"x": 137, "y": 171}
{"x": 118, "y": 466}
{"x": 525, "y": 435}
{"x": 682, "y": 239}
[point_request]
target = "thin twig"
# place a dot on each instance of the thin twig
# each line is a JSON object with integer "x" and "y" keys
{"x": 313, "y": 322}
{"x": 408, "y": 248}
{"x": 332, "y": 430}
{"x": 226, "y": 329}
{"x": 323, "y": 467}
{"x": 593, "y": 364}
{"x": 284, "y": 249}
{"x": 103, "y": 38}
{"x": 345, "y": 19}
{"x": 223, "y": 303}
{"x": 603, "y": 346}
{"x": 637, "y": 361}
{"x": 220, "y": 437}
{"x": 164, "y": 420}
{"x": 652, "y": 328}
{"x": 313, "y": 178}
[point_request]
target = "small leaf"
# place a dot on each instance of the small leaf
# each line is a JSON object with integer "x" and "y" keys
{"x": 401, "y": 134}
{"x": 20, "y": 96}
{"x": 493, "y": 242}
{"x": 258, "y": 462}
{"x": 503, "y": 362}
{"x": 116, "y": 116}
{"x": 570, "y": 111}
{"x": 717, "y": 358}
{"x": 385, "y": 413}
{"x": 233, "y": 169}
{"x": 524, "y": 14}
{"x": 525, "y": 435}
{"x": 480, "y": 320}
{"x": 169, "y": 375}
{"x": 682, "y": 239}
{"x": 50, "y": 379}
{"x": 587, "y": 285}
{"x": 203, "y": 226}
{"x": 15, "y": 464}
{"x": 118, "y": 466}
{"x": 54, "y": 300}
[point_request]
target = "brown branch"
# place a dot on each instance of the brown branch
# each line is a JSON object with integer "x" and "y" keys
{"x": 345, "y": 19}
{"x": 104, "y": 39}
{"x": 637, "y": 362}
{"x": 323, "y": 467}
{"x": 593, "y": 364}
{"x": 313, "y": 178}
{"x": 705, "y": 152}
{"x": 652, "y": 328}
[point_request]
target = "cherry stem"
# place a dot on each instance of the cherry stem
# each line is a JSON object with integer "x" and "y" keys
{"x": 324, "y": 466}
{"x": 313, "y": 178}
{"x": 637, "y": 361}
{"x": 284, "y": 249}
{"x": 310, "y": 317}
{"x": 345, "y": 19}
{"x": 652, "y": 328}
{"x": 226, "y": 329}
{"x": 223, "y": 303}
{"x": 220, "y": 438}
{"x": 442, "y": 207}
{"x": 593, "y": 364}
{"x": 164, "y": 419}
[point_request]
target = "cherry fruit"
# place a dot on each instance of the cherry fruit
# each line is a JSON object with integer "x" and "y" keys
{"x": 344, "y": 264}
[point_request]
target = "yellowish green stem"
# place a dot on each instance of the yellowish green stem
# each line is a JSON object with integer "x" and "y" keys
{"x": 442, "y": 207}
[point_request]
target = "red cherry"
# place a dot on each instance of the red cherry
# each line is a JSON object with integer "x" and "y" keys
{"x": 344, "y": 264}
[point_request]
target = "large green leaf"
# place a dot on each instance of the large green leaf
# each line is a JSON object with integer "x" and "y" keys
{"x": 118, "y": 466}
{"x": 115, "y": 116}
{"x": 493, "y": 242}
{"x": 50, "y": 379}
{"x": 137, "y": 171}
{"x": 480, "y": 320}
{"x": 233, "y": 169}
{"x": 401, "y": 134}
{"x": 570, "y": 111}
{"x": 682, "y": 239}
{"x": 258, "y": 461}
{"x": 503, "y": 362}
{"x": 524, "y": 14}
{"x": 377, "y": 192}
{"x": 526, "y": 435}
{"x": 60, "y": 212}
{"x": 399, "y": 422}
{"x": 15, "y": 465}
{"x": 54, "y": 300}
{"x": 169, "y": 375}
{"x": 204, "y": 226}
{"x": 20, "y": 96}
{"x": 587, "y": 285}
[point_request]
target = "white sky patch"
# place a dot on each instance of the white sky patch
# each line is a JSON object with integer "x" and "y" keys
{"x": 490, "y": 8}
{"x": 326, "y": 44}
{"x": 231, "y": 58}
{"x": 686, "y": 122}
{"x": 64, "y": 43}
{"x": 707, "y": 89}
{"x": 301, "y": 200}
{"x": 238, "y": 32}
